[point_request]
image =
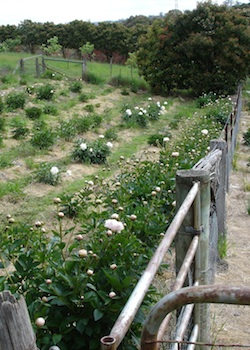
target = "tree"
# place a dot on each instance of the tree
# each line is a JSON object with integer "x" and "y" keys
{"x": 204, "y": 50}
{"x": 52, "y": 47}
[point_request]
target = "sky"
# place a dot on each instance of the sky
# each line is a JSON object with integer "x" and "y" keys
{"x": 14, "y": 12}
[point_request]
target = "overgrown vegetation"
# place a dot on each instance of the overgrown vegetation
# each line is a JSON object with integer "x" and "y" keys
{"x": 77, "y": 263}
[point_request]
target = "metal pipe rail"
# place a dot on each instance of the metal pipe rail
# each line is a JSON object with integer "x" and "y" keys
{"x": 189, "y": 295}
{"x": 125, "y": 319}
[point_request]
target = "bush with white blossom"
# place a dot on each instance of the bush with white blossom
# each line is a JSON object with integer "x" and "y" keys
{"x": 47, "y": 173}
{"x": 94, "y": 152}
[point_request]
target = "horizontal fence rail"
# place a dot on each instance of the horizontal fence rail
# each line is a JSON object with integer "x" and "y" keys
{"x": 186, "y": 296}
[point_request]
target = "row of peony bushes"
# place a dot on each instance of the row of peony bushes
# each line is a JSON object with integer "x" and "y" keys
{"x": 77, "y": 279}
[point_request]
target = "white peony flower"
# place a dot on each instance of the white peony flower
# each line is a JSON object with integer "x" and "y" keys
{"x": 204, "y": 132}
{"x": 175, "y": 154}
{"x": 128, "y": 112}
{"x": 114, "y": 225}
{"x": 83, "y": 146}
{"x": 54, "y": 170}
{"x": 109, "y": 144}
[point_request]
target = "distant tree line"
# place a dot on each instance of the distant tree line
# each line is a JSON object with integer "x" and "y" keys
{"x": 204, "y": 50}
{"x": 107, "y": 37}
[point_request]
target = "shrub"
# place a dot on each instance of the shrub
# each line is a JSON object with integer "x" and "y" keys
{"x": 78, "y": 287}
{"x": 67, "y": 129}
{"x": 89, "y": 108}
{"x": 96, "y": 120}
{"x": 75, "y": 86}
{"x": 82, "y": 124}
{"x": 93, "y": 78}
{"x": 1, "y": 104}
{"x": 111, "y": 134}
{"x": 48, "y": 74}
{"x": 2, "y": 124}
{"x": 47, "y": 173}
{"x": 159, "y": 139}
{"x": 15, "y": 100}
{"x": 43, "y": 137}
{"x": 95, "y": 152}
{"x": 33, "y": 112}
{"x": 45, "y": 92}
{"x": 50, "y": 109}
{"x": 246, "y": 137}
{"x": 83, "y": 97}
{"x": 19, "y": 128}
{"x": 143, "y": 115}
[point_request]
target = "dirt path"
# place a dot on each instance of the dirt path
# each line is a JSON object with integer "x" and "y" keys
{"x": 231, "y": 323}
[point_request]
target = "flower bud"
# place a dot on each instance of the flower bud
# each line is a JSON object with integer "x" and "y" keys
{"x": 82, "y": 253}
{"x": 40, "y": 321}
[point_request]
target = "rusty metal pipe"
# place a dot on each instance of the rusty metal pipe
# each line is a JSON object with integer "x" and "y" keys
{"x": 129, "y": 311}
{"x": 180, "y": 279}
{"x": 189, "y": 295}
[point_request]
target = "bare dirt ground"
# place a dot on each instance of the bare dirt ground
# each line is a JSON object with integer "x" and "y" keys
{"x": 231, "y": 323}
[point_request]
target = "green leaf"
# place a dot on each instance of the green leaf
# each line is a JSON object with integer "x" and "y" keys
{"x": 98, "y": 314}
{"x": 81, "y": 324}
{"x": 56, "y": 338}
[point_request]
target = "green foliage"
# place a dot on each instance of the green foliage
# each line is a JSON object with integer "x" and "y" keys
{"x": 19, "y": 128}
{"x": 50, "y": 109}
{"x": 111, "y": 134}
{"x": 47, "y": 173}
{"x": 50, "y": 74}
{"x": 222, "y": 246}
{"x": 45, "y": 92}
{"x": 83, "y": 97}
{"x": 43, "y": 137}
{"x": 93, "y": 78}
{"x": 159, "y": 139}
{"x": 75, "y": 86}
{"x": 142, "y": 116}
{"x": 15, "y": 100}
{"x": 33, "y": 112}
{"x": 89, "y": 108}
{"x": 246, "y": 137}
{"x": 52, "y": 47}
{"x": 193, "y": 52}
{"x": 1, "y": 104}
{"x": 2, "y": 124}
{"x": 95, "y": 152}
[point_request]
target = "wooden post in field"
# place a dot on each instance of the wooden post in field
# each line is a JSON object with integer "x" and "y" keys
{"x": 184, "y": 182}
{"x": 21, "y": 65}
{"x": 16, "y": 332}
{"x": 37, "y": 68}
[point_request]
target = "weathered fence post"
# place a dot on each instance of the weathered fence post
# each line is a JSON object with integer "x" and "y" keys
{"x": 43, "y": 65}
{"x": 37, "y": 68}
{"x": 222, "y": 185}
{"x": 16, "y": 330}
{"x": 21, "y": 65}
{"x": 184, "y": 181}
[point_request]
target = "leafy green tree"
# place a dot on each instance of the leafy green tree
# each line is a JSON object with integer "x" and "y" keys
{"x": 204, "y": 50}
{"x": 112, "y": 38}
{"x": 52, "y": 47}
